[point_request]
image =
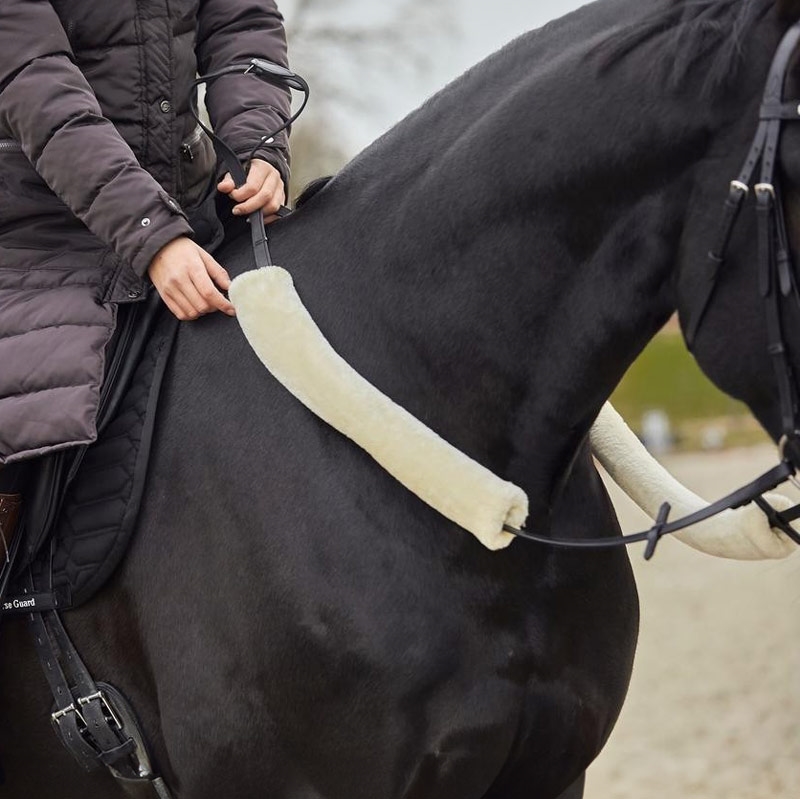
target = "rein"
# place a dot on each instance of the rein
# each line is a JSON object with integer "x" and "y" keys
{"x": 751, "y": 492}
{"x": 775, "y": 272}
{"x": 271, "y": 73}
{"x": 776, "y": 280}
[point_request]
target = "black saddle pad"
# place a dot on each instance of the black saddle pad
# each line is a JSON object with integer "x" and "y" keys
{"x": 92, "y": 520}
{"x": 101, "y": 505}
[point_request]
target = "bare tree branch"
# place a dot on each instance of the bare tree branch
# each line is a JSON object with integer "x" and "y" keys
{"x": 350, "y": 58}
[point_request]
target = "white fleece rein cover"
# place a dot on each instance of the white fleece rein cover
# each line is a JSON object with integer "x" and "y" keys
{"x": 741, "y": 534}
{"x": 291, "y": 346}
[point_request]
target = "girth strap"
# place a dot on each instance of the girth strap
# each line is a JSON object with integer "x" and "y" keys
{"x": 67, "y": 718}
{"x": 92, "y": 719}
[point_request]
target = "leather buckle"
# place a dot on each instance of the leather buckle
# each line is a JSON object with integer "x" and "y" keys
{"x": 739, "y": 188}
{"x": 59, "y": 714}
{"x": 764, "y": 190}
{"x": 85, "y": 700}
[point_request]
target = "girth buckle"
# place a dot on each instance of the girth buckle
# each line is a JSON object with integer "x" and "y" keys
{"x": 739, "y": 187}
{"x": 85, "y": 700}
{"x": 59, "y": 714}
{"x": 763, "y": 189}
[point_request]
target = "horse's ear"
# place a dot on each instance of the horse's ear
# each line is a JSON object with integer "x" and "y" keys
{"x": 789, "y": 10}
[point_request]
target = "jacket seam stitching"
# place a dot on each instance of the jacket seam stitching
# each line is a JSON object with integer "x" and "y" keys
{"x": 4, "y": 337}
{"x": 85, "y": 384}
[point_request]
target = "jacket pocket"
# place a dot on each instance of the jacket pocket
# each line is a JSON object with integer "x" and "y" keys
{"x": 197, "y": 168}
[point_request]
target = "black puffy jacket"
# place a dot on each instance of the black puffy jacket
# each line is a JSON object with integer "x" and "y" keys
{"x": 98, "y": 154}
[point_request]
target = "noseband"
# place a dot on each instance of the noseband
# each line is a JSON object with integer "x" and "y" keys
{"x": 775, "y": 280}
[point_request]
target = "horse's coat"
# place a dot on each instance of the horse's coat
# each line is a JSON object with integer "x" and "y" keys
{"x": 291, "y": 621}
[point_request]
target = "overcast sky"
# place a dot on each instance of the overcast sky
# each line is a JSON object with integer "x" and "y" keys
{"x": 479, "y": 27}
{"x": 486, "y": 25}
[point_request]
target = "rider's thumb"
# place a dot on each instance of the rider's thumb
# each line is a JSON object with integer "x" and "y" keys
{"x": 226, "y": 185}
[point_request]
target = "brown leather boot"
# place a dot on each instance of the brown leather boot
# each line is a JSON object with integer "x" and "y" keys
{"x": 10, "y": 505}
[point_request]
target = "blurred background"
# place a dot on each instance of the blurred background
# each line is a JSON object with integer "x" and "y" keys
{"x": 714, "y": 705}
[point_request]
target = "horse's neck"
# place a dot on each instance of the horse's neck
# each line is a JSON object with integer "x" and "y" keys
{"x": 501, "y": 270}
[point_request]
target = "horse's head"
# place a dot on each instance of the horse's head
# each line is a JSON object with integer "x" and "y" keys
{"x": 739, "y": 285}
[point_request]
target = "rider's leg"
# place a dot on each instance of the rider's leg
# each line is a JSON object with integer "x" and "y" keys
{"x": 13, "y": 479}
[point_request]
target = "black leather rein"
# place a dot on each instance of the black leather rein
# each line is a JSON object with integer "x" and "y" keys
{"x": 271, "y": 73}
{"x": 742, "y": 496}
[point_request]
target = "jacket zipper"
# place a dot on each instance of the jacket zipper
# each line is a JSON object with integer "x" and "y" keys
{"x": 9, "y": 146}
{"x": 193, "y": 139}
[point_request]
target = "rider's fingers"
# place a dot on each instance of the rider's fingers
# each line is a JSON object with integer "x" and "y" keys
{"x": 269, "y": 199}
{"x": 179, "y": 305}
{"x": 259, "y": 174}
{"x": 217, "y": 272}
{"x": 195, "y": 294}
{"x": 255, "y": 181}
{"x": 210, "y": 296}
{"x": 245, "y": 191}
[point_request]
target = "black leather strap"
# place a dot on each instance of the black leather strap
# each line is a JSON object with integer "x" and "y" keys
{"x": 103, "y": 728}
{"x": 272, "y": 73}
{"x": 84, "y": 717}
{"x": 774, "y": 111}
{"x": 66, "y": 719}
{"x": 781, "y": 520}
{"x": 742, "y": 496}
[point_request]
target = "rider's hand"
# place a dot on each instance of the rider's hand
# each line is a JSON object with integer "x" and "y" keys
{"x": 263, "y": 190}
{"x": 185, "y": 275}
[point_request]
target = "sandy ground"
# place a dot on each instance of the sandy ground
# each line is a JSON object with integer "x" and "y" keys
{"x": 713, "y": 710}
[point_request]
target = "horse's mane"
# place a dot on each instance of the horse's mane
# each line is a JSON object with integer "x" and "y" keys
{"x": 693, "y": 30}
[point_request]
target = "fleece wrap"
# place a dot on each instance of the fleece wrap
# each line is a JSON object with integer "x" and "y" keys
{"x": 741, "y": 534}
{"x": 289, "y": 343}
{"x": 291, "y": 346}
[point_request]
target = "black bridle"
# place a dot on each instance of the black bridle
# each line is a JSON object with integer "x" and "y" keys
{"x": 776, "y": 281}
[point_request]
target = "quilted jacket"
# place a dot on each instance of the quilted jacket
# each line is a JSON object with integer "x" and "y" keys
{"x": 98, "y": 157}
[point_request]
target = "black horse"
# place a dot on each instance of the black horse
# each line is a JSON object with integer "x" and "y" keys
{"x": 290, "y": 621}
